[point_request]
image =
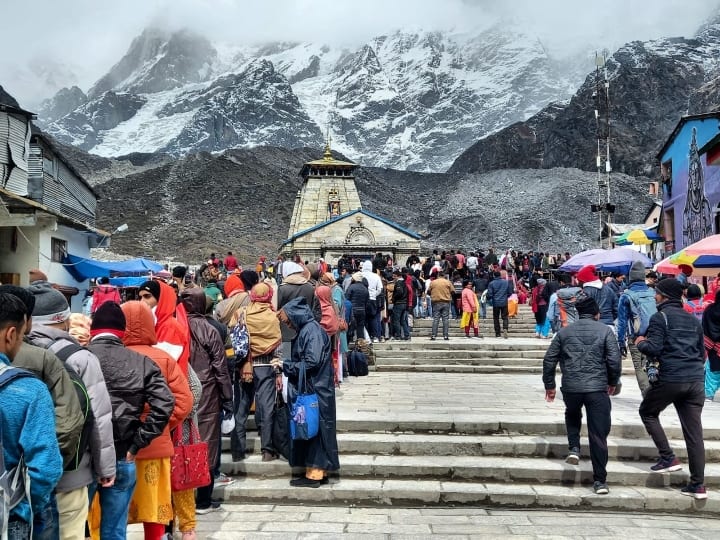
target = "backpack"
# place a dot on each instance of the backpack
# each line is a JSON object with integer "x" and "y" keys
{"x": 566, "y": 299}
{"x": 14, "y": 483}
{"x": 357, "y": 363}
{"x": 642, "y": 307}
{"x": 83, "y": 397}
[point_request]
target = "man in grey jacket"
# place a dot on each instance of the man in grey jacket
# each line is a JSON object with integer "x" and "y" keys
{"x": 96, "y": 462}
{"x": 589, "y": 358}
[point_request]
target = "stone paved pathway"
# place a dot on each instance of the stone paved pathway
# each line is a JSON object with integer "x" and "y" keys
{"x": 239, "y": 521}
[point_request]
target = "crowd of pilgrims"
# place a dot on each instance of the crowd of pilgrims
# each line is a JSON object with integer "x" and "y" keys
{"x": 159, "y": 361}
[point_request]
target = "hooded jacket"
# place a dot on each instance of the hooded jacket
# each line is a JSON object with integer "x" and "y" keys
{"x": 171, "y": 327}
{"x": 606, "y": 299}
{"x": 105, "y": 293}
{"x": 293, "y": 287}
{"x": 68, "y": 416}
{"x": 374, "y": 282}
{"x": 588, "y": 354}
{"x": 99, "y": 458}
{"x": 140, "y": 337}
{"x": 311, "y": 345}
{"x": 132, "y": 381}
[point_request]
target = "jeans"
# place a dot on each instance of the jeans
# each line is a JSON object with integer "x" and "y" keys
{"x": 597, "y": 407}
{"x": 400, "y": 322}
{"x": 18, "y": 530}
{"x": 377, "y": 321}
{"x": 46, "y": 524}
{"x": 441, "y": 309}
{"x": 688, "y": 399}
{"x": 498, "y": 312}
{"x": 115, "y": 501}
{"x": 357, "y": 328}
{"x": 429, "y": 306}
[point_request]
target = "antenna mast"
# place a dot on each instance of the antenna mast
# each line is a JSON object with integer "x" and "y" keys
{"x": 601, "y": 96}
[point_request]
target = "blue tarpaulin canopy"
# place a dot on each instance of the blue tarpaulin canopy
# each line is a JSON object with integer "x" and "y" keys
{"x": 82, "y": 269}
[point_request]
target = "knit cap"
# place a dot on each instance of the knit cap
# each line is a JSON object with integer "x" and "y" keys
{"x": 637, "y": 272}
{"x": 587, "y": 274}
{"x": 51, "y": 306}
{"x": 108, "y": 319}
{"x": 670, "y": 288}
{"x": 587, "y": 306}
{"x": 153, "y": 287}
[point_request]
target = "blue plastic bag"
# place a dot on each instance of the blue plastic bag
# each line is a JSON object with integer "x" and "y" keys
{"x": 305, "y": 413}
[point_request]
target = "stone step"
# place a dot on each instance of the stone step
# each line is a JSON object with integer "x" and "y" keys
{"x": 379, "y": 492}
{"x": 459, "y": 423}
{"x": 445, "y": 446}
{"x": 479, "y": 469}
{"x": 470, "y": 367}
{"x": 464, "y": 344}
{"x": 455, "y": 356}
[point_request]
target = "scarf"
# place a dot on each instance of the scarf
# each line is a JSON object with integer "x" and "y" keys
{"x": 329, "y": 320}
{"x": 264, "y": 328}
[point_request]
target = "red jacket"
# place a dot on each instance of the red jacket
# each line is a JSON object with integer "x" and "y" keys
{"x": 104, "y": 293}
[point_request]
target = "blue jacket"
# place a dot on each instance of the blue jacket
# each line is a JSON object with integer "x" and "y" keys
{"x": 625, "y": 310}
{"x": 498, "y": 292}
{"x": 29, "y": 424}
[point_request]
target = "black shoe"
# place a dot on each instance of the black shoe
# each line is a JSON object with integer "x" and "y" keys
{"x": 573, "y": 457}
{"x": 324, "y": 481}
{"x": 432, "y": 338}
{"x": 305, "y": 482}
{"x": 600, "y": 488}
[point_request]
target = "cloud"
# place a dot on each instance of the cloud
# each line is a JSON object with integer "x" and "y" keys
{"x": 56, "y": 43}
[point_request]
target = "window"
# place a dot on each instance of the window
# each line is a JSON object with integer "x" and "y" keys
{"x": 59, "y": 249}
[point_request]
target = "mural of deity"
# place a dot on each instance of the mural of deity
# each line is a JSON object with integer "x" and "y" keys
{"x": 697, "y": 218}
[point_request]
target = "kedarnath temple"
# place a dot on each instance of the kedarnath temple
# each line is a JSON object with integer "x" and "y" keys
{"x": 328, "y": 220}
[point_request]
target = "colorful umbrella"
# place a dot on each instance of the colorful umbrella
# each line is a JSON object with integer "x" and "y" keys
{"x": 706, "y": 246}
{"x": 666, "y": 266}
{"x": 606, "y": 260}
{"x": 696, "y": 261}
{"x": 638, "y": 237}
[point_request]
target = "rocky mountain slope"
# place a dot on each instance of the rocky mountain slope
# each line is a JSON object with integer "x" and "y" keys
{"x": 243, "y": 199}
{"x": 409, "y": 100}
{"x": 652, "y": 84}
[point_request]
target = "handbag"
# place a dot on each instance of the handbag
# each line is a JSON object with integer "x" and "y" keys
{"x": 239, "y": 336}
{"x": 305, "y": 413}
{"x": 189, "y": 466}
{"x": 281, "y": 427}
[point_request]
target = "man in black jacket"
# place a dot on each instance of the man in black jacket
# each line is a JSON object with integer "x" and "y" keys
{"x": 675, "y": 339}
{"x": 589, "y": 358}
{"x": 133, "y": 381}
{"x": 401, "y": 330}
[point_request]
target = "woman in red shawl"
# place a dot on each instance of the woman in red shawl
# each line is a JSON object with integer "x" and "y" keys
{"x": 330, "y": 322}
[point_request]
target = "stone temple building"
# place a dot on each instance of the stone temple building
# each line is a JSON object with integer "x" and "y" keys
{"x": 328, "y": 220}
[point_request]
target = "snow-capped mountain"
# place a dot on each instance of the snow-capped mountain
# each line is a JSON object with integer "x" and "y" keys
{"x": 652, "y": 85}
{"x": 412, "y": 100}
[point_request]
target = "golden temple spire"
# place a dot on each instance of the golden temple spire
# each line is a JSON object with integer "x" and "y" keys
{"x": 327, "y": 155}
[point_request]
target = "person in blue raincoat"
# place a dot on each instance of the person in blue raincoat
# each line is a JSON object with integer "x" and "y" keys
{"x": 318, "y": 455}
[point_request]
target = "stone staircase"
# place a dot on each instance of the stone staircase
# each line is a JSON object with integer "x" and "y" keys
{"x": 406, "y": 440}
{"x": 522, "y": 325}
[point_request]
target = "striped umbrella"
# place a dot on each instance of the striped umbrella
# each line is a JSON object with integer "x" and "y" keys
{"x": 638, "y": 237}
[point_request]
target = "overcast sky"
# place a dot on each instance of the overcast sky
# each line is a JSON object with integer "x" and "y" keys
{"x": 48, "y": 44}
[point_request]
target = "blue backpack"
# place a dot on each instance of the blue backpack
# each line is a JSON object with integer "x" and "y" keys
{"x": 642, "y": 307}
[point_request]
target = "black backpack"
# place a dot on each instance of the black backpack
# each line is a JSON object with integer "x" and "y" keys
{"x": 357, "y": 363}
{"x": 83, "y": 397}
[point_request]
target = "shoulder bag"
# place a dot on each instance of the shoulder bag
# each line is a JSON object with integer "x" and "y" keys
{"x": 305, "y": 413}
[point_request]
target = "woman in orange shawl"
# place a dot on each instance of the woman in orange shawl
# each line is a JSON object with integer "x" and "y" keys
{"x": 261, "y": 378}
